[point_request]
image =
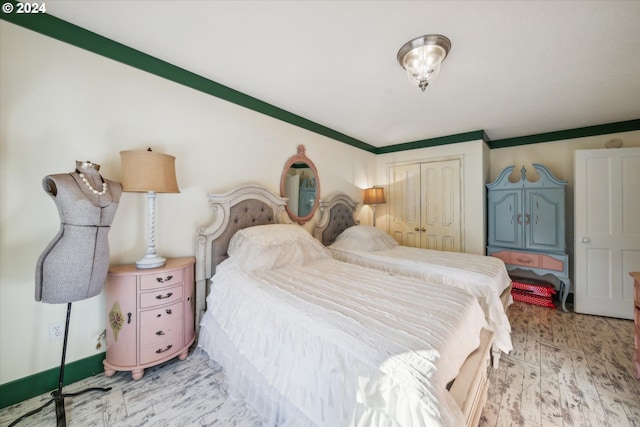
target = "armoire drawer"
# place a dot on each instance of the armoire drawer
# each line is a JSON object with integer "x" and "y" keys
{"x": 525, "y": 259}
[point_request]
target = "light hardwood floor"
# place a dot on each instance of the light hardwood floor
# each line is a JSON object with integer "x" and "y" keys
{"x": 566, "y": 369}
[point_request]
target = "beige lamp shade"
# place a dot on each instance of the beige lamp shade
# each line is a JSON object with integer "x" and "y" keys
{"x": 374, "y": 196}
{"x": 144, "y": 171}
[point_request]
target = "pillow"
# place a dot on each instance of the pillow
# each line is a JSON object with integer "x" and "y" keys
{"x": 272, "y": 246}
{"x": 364, "y": 238}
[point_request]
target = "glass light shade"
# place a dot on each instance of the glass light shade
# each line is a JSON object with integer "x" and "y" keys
{"x": 422, "y": 56}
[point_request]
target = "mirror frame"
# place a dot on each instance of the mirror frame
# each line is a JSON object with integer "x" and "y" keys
{"x": 300, "y": 157}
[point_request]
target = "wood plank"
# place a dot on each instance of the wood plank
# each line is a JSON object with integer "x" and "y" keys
{"x": 531, "y": 394}
{"x": 571, "y": 399}
{"x": 510, "y": 409}
{"x": 549, "y": 387}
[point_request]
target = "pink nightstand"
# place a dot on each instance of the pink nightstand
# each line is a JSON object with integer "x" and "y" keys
{"x": 150, "y": 315}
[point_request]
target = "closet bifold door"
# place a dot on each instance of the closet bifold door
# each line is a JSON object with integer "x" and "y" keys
{"x": 425, "y": 206}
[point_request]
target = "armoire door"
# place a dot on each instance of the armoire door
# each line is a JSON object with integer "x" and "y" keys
{"x": 607, "y": 230}
{"x": 505, "y": 218}
{"x": 425, "y": 205}
{"x": 543, "y": 219}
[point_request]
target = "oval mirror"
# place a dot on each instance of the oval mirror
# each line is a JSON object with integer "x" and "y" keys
{"x": 300, "y": 184}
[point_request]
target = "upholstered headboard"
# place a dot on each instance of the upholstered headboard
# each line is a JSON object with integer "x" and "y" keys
{"x": 336, "y": 215}
{"x": 246, "y": 206}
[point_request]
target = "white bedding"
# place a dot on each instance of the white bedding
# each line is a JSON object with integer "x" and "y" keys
{"x": 482, "y": 276}
{"x": 328, "y": 343}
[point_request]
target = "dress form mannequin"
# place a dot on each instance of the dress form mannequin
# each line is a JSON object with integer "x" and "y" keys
{"x": 74, "y": 264}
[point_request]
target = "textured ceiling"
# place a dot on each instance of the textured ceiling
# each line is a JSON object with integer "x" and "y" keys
{"x": 516, "y": 68}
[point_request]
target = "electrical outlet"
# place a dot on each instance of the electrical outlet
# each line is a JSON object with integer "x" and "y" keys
{"x": 56, "y": 331}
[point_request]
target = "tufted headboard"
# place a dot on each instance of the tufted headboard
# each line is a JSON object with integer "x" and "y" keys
{"x": 246, "y": 206}
{"x": 336, "y": 215}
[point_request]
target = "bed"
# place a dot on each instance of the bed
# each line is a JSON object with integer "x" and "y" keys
{"x": 484, "y": 277}
{"x": 309, "y": 340}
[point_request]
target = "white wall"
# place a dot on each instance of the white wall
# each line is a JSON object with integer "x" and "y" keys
{"x": 473, "y": 155}
{"x": 60, "y": 104}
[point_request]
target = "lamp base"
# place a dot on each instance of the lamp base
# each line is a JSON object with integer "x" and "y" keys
{"x": 150, "y": 261}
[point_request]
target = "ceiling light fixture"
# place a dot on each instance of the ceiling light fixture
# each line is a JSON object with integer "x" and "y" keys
{"x": 422, "y": 56}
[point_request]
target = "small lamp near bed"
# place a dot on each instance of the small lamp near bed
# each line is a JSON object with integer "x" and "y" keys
{"x": 374, "y": 196}
{"x": 151, "y": 173}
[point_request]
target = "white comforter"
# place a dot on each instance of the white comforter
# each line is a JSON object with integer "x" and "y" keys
{"x": 482, "y": 276}
{"x": 334, "y": 344}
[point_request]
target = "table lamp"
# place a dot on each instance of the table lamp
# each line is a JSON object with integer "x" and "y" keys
{"x": 144, "y": 171}
{"x": 374, "y": 196}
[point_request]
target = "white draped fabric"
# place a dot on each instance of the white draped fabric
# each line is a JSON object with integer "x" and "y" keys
{"x": 482, "y": 276}
{"x": 332, "y": 344}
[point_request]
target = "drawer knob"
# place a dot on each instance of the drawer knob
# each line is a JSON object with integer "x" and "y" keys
{"x": 128, "y": 317}
{"x": 524, "y": 260}
{"x": 168, "y": 295}
{"x": 585, "y": 240}
{"x": 168, "y": 310}
{"x": 160, "y": 333}
{"x": 166, "y": 279}
{"x": 159, "y": 351}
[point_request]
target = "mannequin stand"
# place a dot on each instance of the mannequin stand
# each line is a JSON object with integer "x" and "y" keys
{"x": 58, "y": 396}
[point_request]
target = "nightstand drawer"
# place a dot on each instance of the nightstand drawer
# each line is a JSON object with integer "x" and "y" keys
{"x": 160, "y": 316}
{"x": 161, "y": 279}
{"x": 158, "y": 326}
{"x": 159, "y": 335}
{"x": 152, "y": 352}
{"x": 160, "y": 297}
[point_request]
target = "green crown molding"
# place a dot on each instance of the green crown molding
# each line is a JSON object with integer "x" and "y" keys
{"x": 77, "y": 36}
{"x": 34, "y": 385}
{"x": 432, "y": 142}
{"x": 617, "y": 127}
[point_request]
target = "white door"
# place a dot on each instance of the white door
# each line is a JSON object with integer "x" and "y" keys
{"x": 404, "y": 204}
{"x": 440, "y": 191}
{"x": 424, "y": 206}
{"x": 607, "y": 230}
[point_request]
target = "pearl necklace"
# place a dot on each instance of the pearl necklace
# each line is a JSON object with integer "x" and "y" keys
{"x": 93, "y": 190}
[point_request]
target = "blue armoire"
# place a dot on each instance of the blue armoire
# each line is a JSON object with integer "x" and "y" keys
{"x": 526, "y": 225}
